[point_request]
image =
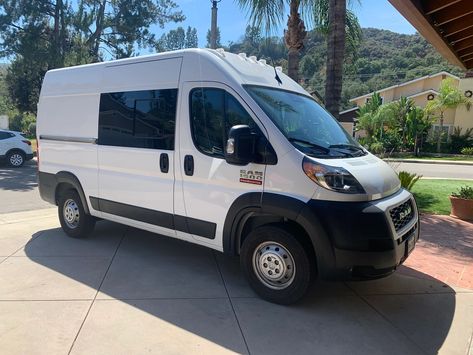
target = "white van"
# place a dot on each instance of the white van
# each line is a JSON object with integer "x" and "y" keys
{"x": 224, "y": 151}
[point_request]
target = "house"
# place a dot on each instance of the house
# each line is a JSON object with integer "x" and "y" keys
{"x": 421, "y": 91}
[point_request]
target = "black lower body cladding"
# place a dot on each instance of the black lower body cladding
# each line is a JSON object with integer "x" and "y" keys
{"x": 363, "y": 241}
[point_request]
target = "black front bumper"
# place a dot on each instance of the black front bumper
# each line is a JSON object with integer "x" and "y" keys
{"x": 365, "y": 243}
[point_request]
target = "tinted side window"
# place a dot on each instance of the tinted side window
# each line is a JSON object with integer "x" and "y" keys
{"x": 5, "y": 135}
{"x": 212, "y": 113}
{"x": 207, "y": 115}
{"x": 138, "y": 119}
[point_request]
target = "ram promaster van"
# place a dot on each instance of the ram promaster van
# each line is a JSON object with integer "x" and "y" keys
{"x": 225, "y": 151}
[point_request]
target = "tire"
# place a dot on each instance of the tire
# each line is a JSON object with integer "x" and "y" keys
{"x": 276, "y": 265}
{"x": 16, "y": 159}
{"x": 74, "y": 221}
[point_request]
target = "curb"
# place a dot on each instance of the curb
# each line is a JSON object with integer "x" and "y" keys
{"x": 426, "y": 161}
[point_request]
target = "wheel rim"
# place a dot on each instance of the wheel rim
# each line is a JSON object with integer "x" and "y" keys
{"x": 71, "y": 213}
{"x": 16, "y": 159}
{"x": 274, "y": 265}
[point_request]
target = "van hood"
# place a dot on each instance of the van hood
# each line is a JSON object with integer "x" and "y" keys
{"x": 376, "y": 177}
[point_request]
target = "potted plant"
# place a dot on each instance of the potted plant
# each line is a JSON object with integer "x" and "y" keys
{"x": 462, "y": 203}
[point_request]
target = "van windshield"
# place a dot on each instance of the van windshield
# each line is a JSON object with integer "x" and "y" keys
{"x": 308, "y": 126}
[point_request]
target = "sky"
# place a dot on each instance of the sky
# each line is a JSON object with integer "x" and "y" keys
{"x": 232, "y": 20}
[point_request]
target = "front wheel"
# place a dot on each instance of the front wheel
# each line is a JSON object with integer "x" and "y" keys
{"x": 74, "y": 221}
{"x": 276, "y": 265}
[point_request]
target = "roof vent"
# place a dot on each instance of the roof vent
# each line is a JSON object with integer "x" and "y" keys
{"x": 279, "y": 69}
{"x": 254, "y": 58}
{"x": 262, "y": 61}
{"x": 242, "y": 55}
{"x": 221, "y": 51}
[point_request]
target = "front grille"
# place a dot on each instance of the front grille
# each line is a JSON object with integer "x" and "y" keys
{"x": 401, "y": 215}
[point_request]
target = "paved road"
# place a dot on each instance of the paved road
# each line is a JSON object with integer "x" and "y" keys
{"x": 19, "y": 189}
{"x": 448, "y": 171}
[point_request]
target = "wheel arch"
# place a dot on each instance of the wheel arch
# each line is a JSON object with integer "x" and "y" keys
{"x": 65, "y": 179}
{"x": 16, "y": 150}
{"x": 269, "y": 208}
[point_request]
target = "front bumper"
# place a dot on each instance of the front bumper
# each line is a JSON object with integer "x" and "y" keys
{"x": 368, "y": 239}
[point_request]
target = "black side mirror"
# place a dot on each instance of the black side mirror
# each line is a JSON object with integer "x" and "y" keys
{"x": 241, "y": 144}
{"x": 243, "y": 147}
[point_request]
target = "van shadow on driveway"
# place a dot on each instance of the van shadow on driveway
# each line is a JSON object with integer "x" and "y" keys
{"x": 19, "y": 179}
{"x": 152, "y": 293}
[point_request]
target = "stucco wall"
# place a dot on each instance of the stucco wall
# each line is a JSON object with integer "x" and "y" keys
{"x": 464, "y": 118}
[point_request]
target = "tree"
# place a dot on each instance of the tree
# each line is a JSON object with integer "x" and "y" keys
{"x": 369, "y": 117}
{"x": 449, "y": 97}
{"x": 192, "y": 41}
{"x": 219, "y": 44}
{"x": 270, "y": 13}
{"x": 178, "y": 39}
{"x": 173, "y": 40}
{"x": 39, "y": 35}
{"x": 417, "y": 124}
{"x": 335, "y": 55}
{"x": 119, "y": 26}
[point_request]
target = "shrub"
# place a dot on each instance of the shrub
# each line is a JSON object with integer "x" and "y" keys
{"x": 377, "y": 148}
{"x": 459, "y": 140}
{"x": 408, "y": 180}
{"x": 467, "y": 151}
{"x": 391, "y": 141}
{"x": 465, "y": 192}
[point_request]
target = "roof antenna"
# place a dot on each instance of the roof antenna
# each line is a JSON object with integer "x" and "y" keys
{"x": 278, "y": 79}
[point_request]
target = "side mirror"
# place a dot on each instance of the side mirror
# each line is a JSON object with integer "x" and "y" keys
{"x": 244, "y": 146}
{"x": 241, "y": 144}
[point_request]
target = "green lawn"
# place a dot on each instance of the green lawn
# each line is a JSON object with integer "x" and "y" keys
{"x": 432, "y": 195}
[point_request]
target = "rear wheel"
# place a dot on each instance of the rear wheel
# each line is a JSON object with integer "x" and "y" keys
{"x": 74, "y": 221}
{"x": 16, "y": 159}
{"x": 276, "y": 265}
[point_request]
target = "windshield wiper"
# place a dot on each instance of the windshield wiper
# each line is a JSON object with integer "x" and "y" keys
{"x": 312, "y": 145}
{"x": 348, "y": 146}
{"x": 351, "y": 147}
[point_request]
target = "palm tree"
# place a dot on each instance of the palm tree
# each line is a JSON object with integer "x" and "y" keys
{"x": 449, "y": 97}
{"x": 270, "y": 13}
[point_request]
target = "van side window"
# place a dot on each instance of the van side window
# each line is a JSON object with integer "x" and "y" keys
{"x": 138, "y": 119}
{"x": 212, "y": 113}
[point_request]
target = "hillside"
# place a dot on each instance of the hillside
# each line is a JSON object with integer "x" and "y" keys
{"x": 384, "y": 58}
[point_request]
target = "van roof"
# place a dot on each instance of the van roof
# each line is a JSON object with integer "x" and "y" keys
{"x": 214, "y": 65}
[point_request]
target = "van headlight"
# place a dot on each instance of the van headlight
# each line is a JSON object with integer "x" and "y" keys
{"x": 331, "y": 177}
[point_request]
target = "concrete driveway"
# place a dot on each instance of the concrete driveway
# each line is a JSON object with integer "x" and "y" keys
{"x": 19, "y": 188}
{"x": 125, "y": 291}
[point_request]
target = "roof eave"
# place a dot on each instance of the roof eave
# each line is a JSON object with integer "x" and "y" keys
{"x": 427, "y": 30}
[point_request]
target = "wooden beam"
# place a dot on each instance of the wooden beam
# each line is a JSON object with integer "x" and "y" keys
{"x": 469, "y": 60}
{"x": 468, "y": 57}
{"x": 465, "y": 52}
{"x": 461, "y": 36}
{"x": 458, "y": 25}
{"x": 435, "y": 5}
{"x": 425, "y": 28}
{"x": 463, "y": 44}
{"x": 453, "y": 12}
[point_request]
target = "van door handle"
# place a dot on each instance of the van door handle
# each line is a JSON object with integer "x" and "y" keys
{"x": 164, "y": 163}
{"x": 189, "y": 165}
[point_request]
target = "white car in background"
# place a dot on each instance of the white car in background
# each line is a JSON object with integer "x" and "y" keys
{"x": 15, "y": 149}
